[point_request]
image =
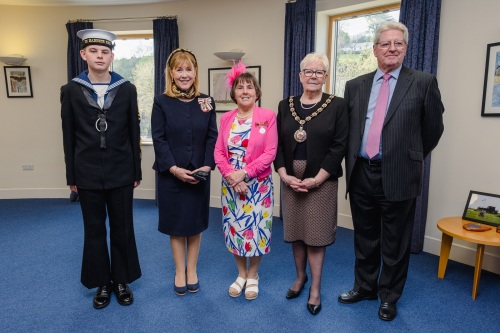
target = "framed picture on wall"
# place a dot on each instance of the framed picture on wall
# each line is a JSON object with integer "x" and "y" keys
{"x": 18, "y": 81}
{"x": 491, "y": 90}
{"x": 483, "y": 208}
{"x": 217, "y": 87}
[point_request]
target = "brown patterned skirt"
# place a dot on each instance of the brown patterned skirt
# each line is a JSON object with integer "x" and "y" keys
{"x": 310, "y": 217}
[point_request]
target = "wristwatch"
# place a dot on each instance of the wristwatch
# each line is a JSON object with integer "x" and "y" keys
{"x": 246, "y": 176}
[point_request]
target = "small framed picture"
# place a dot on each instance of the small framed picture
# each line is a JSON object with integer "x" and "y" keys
{"x": 217, "y": 87}
{"x": 18, "y": 81}
{"x": 491, "y": 89}
{"x": 483, "y": 208}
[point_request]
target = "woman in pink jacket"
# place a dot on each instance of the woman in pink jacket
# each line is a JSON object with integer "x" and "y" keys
{"x": 245, "y": 149}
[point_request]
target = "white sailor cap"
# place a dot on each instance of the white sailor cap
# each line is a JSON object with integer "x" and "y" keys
{"x": 96, "y": 37}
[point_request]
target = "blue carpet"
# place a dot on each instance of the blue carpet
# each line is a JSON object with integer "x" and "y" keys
{"x": 41, "y": 243}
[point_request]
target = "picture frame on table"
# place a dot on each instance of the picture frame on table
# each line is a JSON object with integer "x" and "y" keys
{"x": 217, "y": 87}
{"x": 491, "y": 90}
{"x": 18, "y": 81}
{"x": 483, "y": 208}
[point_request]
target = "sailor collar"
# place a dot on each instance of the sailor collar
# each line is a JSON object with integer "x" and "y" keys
{"x": 116, "y": 81}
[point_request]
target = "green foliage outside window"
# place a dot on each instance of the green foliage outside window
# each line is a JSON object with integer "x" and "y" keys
{"x": 353, "y": 45}
{"x": 139, "y": 69}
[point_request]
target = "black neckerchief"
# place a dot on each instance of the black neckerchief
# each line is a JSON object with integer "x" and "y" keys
{"x": 101, "y": 125}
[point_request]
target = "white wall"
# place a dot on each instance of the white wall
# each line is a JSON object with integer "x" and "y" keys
{"x": 466, "y": 29}
{"x": 30, "y": 130}
{"x": 31, "y": 127}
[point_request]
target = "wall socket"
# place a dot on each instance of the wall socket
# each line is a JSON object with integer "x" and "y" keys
{"x": 28, "y": 167}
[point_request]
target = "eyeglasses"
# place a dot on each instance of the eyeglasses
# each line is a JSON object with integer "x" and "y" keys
{"x": 310, "y": 72}
{"x": 397, "y": 44}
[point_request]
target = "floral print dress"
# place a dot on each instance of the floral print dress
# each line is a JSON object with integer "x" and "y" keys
{"x": 247, "y": 219}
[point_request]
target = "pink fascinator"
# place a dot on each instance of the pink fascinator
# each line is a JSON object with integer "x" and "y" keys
{"x": 234, "y": 72}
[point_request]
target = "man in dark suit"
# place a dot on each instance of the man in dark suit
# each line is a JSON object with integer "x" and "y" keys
{"x": 101, "y": 136}
{"x": 384, "y": 165}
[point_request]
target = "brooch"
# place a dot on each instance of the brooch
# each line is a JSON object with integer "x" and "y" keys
{"x": 205, "y": 104}
{"x": 262, "y": 130}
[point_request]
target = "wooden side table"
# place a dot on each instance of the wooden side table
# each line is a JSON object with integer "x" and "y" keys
{"x": 453, "y": 227}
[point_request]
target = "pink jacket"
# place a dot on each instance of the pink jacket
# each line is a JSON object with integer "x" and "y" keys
{"x": 261, "y": 149}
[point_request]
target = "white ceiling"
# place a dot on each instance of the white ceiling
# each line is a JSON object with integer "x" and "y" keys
{"x": 79, "y": 2}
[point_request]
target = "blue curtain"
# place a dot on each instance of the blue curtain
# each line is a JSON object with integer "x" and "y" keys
{"x": 76, "y": 65}
{"x": 300, "y": 23}
{"x": 422, "y": 19}
{"x": 166, "y": 39}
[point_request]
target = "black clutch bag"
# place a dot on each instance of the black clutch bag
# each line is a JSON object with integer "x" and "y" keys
{"x": 200, "y": 175}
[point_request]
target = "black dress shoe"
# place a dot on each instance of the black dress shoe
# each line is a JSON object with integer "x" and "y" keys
{"x": 102, "y": 297}
{"x": 353, "y": 296}
{"x": 123, "y": 293}
{"x": 294, "y": 294}
{"x": 313, "y": 309}
{"x": 387, "y": 311}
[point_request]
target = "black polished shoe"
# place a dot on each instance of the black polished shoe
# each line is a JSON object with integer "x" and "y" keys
{"x": 387, "y": 311}
{"x": 313, "y": 309}
{"x": 123, "y": 293}
{"x": 102, "y": 297}
{"x": 294, "y": 294}
{"x": 353, "y": 296}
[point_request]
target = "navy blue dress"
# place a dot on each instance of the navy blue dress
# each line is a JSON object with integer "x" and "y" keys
{"x": 184, "y": 134}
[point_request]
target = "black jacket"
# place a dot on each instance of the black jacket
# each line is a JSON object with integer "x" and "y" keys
{"x": 89, "y": 166}
{"x": 326, "y": 138}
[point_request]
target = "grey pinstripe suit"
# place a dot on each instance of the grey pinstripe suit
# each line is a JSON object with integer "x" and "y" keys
{"x": 383, "y": 197}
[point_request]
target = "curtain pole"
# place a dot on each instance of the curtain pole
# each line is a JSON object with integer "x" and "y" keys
{"x": 124, "y": 19}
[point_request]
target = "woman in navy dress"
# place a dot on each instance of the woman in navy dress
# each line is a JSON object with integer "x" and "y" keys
{"x": 184, "y": 131}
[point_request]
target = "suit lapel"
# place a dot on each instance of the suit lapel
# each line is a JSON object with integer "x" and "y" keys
{"x": 404, "y": 82}
{"x": 364, "y": 98}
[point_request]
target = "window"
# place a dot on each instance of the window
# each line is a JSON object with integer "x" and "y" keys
{"x": 134, "y": 60}
{"x": 351, "y": 44}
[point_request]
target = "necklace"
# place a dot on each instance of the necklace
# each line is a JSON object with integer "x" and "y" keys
{"x": 310, "y": 107}
{"x": 244, "y": 117}
{"x": 300, "y": 135}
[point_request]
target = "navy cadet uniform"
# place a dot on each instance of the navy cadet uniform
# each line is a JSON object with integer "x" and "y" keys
{"x": 103, "y": 159}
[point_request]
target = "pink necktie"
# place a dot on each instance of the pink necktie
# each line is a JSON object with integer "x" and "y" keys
{"x": 375, "y": 131}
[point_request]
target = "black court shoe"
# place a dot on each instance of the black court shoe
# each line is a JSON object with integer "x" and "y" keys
{"x": 313, "y": 309}
{"x": 290, "y": 294}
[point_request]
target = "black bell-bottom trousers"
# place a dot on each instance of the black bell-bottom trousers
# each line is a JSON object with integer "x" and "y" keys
{"x": 99, "y": 268}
